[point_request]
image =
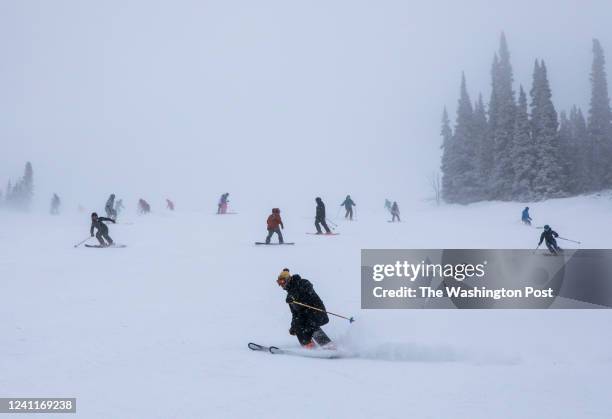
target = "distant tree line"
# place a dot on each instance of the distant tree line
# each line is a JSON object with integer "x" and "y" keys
{"x": 19, "y": 196}
{"x": 519, "y": 148}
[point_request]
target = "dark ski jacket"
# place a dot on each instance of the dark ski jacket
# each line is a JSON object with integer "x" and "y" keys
{"x": 549, "y": 236}
{"x": 100, "y": 225}
{"x": 525, "y": 216}
{"x": 320, "y": 215}
{"x": 301, "y": 290}
{"x": 348, "y": 203}
{"x": 395, "y": 209}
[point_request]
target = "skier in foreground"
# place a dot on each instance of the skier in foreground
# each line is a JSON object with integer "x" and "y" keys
{"x": 320, "y": 217}
{"x": 110, "y": 207}
{"x": 395, "y": 212}
{"x": 98, "y": 223}
{"x": 348, "y": 205}
{"x": 305, "y": 323}
{"x": 223, "y": 201}
{"x": 275, "y": 223}
{"x": 525, "y": 218}
{"x": 549, "y": 235}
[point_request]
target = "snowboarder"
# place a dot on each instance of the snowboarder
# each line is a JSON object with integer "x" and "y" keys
{"x": 169, "y": 204}
{"x": 143, "y": 206}
{"x": 320, "y": 217}
{"x": 275, "y": 223}
{"x": 395, "y": 212}
{"x": 102, "y": 234}
{"x": 305, "y": 323}
{"x": 110, "y": 207}
{"x": 348, "y": 205}
{"x": 118, "y": 207}
{"x": 525, "y": 216}
{"x": 549, "y": 235}
{"x": 223, "y": 201}
{"x": 55, "y": 204}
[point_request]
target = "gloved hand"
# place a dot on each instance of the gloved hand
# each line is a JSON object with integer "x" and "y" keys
{"x": 292, "y": 331}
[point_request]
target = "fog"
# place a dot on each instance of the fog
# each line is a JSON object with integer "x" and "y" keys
{"x": 269, "y": 100}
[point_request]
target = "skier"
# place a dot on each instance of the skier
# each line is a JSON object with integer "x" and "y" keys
{"x": 275, "y": 223}
{"x": 169, "y": 204}
{"x": 118, "y": 206}
{"x": 98, "y": 223}
{"x": 110, "y": 207}
{"x": 223, "y": 201}
{"x": 525, "y": 216}
{"x": 388, "y": 205}
{"x": 143, "y": 206}
{"x": 320, "y": 217}
{"x": 55, "y": 204}
{"x": 550, "y": 236}
{"x": 395, "y": 212}
{"x": 348, "y": 205}
{"x": 305, "y": 323}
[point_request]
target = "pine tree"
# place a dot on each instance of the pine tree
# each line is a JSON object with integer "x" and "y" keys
{"x": 523, "y": 153}
{"x": 487, "y": 160}
{"x": 483, "y": 146}
{"x": 466, "y": 187}
{"x": 579, "y": 178}
{"x": 502, "y": 178}
{"x": 600, "y": 120}
{"x": 549, "y": 181}
{"x": 447, "y": 154}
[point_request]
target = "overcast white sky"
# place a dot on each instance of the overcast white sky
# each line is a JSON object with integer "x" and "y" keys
{"x": 189, "y": 98}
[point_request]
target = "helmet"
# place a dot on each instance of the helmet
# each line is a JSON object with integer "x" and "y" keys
{"x": 546, "y": 227}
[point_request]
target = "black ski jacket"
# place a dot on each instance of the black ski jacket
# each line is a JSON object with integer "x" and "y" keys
{"x": 100, "y": 225}
{"x": 549, "y": 236}
{"x": 320, "y": 215}
{"x": 301, "y": 290}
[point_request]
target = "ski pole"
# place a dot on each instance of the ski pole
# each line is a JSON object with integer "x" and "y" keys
{"x": 82, "y": 241}
{"x": 331, "y": 222}
{"x": 351, "y": 320}
{"x": 569, "y": 240}
{"x": 536, "y": 249}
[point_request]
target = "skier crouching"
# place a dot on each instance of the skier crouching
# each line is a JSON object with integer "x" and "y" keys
{"x": 97, "y": 223}
{"x": 305, "y": 323}
{"x": 549, "y": 235}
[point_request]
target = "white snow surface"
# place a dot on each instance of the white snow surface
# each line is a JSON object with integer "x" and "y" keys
{"x": 160, "y": 329}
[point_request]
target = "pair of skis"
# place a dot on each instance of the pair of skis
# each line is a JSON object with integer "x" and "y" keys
{"x": 308, "y": 353}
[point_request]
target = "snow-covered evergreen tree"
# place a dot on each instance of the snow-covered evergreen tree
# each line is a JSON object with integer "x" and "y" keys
{"x": 548, "y": 181}
{"x": 502, "y": 179}
{"x": 599, "y": 126}
{"x": 523, "y": 153}
{"x": 447, "y": 155}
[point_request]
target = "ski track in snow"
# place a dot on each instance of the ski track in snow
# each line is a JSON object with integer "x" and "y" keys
{"x": 160, "y": 329}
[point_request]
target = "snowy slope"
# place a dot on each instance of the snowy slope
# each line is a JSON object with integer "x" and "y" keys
{"x": 159, "y": 329}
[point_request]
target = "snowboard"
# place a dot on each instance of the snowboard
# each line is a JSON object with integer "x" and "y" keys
{"x": 275, "y": 244}
{"x": 97, "y": 246}
{"x": 323, "y": 234}
{"x": 307, "y": 353}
